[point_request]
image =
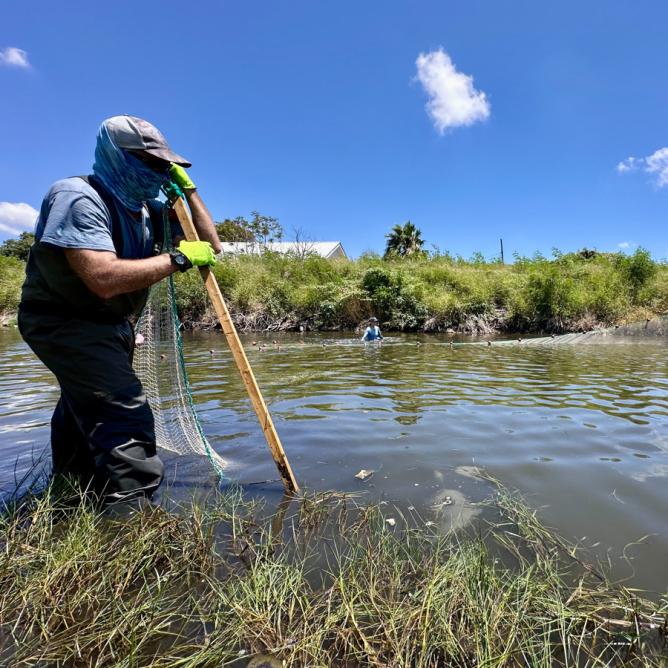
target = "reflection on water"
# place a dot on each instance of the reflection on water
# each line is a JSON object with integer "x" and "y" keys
{"x": 582, "y": 430}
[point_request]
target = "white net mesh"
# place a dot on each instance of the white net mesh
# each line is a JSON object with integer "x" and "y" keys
{"x": 159, "y": 364}
{"x": 649, "y": 329}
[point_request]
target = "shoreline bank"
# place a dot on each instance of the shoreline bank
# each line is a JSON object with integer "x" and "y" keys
{"x": 471, "y": 326}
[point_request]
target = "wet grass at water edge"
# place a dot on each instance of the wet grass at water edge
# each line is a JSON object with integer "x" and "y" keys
{"x": 330, "y": 583}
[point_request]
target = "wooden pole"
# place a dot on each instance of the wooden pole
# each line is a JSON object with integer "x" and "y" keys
{"x": 239, "y": 355}
{"x": 501, "y": 240}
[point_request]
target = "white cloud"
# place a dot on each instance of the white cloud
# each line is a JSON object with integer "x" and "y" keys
{"x": 626, "y": 244}
{"x": 626, "y": 165}
{"x": 453, "y": 101}
{"x": 17, "y": 217}
{"x": 13, "y": 57}
{"x": 655, "y": 164}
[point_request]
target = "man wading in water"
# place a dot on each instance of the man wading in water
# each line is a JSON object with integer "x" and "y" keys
{"x": 95, "y": 255}
{"x": 372, "y": 332}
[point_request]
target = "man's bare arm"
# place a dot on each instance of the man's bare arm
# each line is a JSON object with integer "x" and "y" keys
{"x": 106, "y": 275}
{"x": 203, "y": 220}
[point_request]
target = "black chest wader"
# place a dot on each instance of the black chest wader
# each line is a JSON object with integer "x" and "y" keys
{"x": 102, "y": 430}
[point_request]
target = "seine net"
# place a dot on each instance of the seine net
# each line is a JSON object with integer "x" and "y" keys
{"x": 159, "y": 363}
{"x": 654, "y": 328}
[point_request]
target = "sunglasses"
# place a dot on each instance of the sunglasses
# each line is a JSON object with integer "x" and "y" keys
{"x": 152, "y": 162}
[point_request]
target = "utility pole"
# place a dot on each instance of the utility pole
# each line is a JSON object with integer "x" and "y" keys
{"x": 501, "y": 240}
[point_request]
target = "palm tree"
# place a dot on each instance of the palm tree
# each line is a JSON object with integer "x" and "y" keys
{"x": 403, "y": 241}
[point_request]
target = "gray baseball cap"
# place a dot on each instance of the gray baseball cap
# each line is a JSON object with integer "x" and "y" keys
{"x": 136, "y": 134}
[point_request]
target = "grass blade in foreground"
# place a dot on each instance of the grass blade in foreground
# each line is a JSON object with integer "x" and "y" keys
{"x": 338, "y": 587}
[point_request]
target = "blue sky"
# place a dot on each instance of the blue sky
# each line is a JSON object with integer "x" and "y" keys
{"x": 546, "y": 128}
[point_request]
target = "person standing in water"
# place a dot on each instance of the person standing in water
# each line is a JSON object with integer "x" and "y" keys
{"x": 372, "y": 332}
{"x": 95, "y": 256}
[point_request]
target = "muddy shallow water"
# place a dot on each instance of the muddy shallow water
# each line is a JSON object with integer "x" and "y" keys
{"x": 581, "y": 430}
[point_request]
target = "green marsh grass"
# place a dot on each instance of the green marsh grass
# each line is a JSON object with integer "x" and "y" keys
{"x": 327, "y": 582}
{"x": 11, "y": 278}
{"x": 570, "y": 292}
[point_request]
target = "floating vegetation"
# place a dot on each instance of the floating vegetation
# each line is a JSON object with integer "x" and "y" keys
{"x": 324, "y": 582}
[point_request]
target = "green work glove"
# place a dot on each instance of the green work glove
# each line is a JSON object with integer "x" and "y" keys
{"x": 199, "y": 253}
{"x": 172, "y": 191}
{"x": 181, "y": 178}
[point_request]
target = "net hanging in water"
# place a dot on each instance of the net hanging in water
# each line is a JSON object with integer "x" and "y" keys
{"x": 160, "y": 366}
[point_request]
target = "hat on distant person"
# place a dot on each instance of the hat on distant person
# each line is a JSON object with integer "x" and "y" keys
{"x": 136, "y": 134}
{"x": 373, "y": 319}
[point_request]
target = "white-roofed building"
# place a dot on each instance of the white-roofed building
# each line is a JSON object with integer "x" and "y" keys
{"x": 331, "y": 250}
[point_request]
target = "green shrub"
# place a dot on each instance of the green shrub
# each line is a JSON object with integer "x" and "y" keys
{"x": 12, "y": 272}
{"x": 18, "y": 248}
{"x": 353, "y": 306}
{"x": 571, "y": 292}
{"x": 638, "y": 268}
{"x": 191, "y": 297}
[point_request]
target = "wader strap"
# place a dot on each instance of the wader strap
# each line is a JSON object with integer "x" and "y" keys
{"x": 154, "y": 211}
{"x": 107, "y": 198}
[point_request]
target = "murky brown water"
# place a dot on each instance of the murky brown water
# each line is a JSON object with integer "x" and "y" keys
{"x": 580, "y": 430}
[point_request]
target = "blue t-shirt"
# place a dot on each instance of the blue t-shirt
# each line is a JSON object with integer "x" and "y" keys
{"x": 73, "y": 215}
{"x": 372, "y": 333}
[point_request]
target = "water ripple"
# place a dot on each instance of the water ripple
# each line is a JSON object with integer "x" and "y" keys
{"x": 579, "y": 428}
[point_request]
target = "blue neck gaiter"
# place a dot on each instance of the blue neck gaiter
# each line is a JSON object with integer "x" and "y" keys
{"x": 127, "y": 178}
